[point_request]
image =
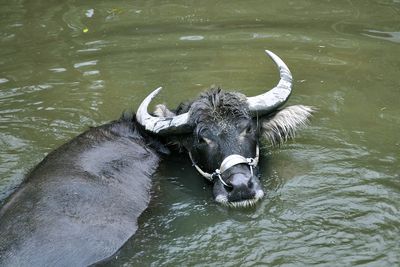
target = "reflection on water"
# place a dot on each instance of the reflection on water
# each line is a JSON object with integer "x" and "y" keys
{"x": 389, "y": 36}
{"x": 333, "y": 195}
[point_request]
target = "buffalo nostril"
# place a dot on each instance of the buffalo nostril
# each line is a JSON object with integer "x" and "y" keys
{"x": 228, "y": 187}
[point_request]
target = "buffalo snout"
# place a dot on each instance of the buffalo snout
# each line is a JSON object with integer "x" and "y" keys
{"x": 242, "y": 188}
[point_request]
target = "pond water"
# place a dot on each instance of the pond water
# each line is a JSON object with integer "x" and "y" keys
{"x": 333, "y": 194}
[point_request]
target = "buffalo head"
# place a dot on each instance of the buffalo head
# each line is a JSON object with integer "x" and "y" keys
{"x": 221, "y": 132}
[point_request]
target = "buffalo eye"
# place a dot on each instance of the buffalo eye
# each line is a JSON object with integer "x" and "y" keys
{"x": 205, "y": 140}
{"x": 204, "y": 137}
{"x": 247, "y": 130}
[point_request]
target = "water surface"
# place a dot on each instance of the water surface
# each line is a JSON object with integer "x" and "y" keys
{"x": 333, "y": 194}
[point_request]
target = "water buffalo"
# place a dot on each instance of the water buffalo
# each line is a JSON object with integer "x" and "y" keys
{"x": 81, "y": 203}
{"x": 221, "y": 131}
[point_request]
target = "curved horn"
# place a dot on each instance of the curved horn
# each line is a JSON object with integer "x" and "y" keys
{"x": 161, "y": 125}
{"x": 278, "y": 95}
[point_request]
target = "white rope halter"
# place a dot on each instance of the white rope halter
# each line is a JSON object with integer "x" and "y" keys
{"x": 227, "y": 163}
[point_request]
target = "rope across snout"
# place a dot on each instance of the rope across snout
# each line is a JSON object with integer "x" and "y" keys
{"x": 227, "y": 163}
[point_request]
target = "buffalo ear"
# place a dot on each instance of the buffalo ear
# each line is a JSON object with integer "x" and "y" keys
{"x": 283, "y": 124}
{"x": 162, "y": 111}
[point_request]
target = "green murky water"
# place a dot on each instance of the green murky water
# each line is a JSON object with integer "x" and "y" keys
{"x": 333, "y": 195}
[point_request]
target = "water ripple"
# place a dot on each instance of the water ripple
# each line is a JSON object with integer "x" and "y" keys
{"x": 388, "y": 36}
{"x": 191, "y": 38}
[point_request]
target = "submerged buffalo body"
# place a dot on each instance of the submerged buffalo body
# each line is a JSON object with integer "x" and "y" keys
{"x": 82, "y": 202}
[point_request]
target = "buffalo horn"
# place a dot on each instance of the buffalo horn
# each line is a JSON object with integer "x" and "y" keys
{"x": 161, "y": 125}
{"x": 275, "y": 97}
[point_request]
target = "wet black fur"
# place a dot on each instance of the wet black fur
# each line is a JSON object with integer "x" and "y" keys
{"x": 81, "y": 203}
{"x": 212, "y": 106}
